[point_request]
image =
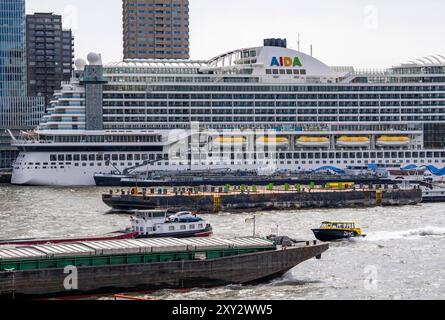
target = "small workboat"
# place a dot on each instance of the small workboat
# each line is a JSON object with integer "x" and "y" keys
{"x": 332, "y": 231}
{"x": 162, "y": 224}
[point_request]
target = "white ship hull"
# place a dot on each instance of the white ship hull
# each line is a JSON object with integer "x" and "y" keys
{"x": 71, "y": 175}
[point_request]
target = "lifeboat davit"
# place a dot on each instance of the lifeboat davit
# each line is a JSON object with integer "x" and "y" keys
{"x": 313, "y": 142}
{"x": 353, "y": 142}
{"x": 229, "y": 141}
{"x": 397, "y": 141}
{"x": 273, "y": 141}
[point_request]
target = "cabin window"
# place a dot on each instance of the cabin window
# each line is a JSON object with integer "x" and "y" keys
{"x": 192, "y": 226}
{"x": 172, "y": 228}
{"x": 183, "y": 228}
{"x": 200, "y": 226}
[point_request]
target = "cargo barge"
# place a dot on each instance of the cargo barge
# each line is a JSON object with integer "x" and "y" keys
{"x": 148, "y": 264}
{"x": 199, "y": 178}
{"x": 245, "y": 199}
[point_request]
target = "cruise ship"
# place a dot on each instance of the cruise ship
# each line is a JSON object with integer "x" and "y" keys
{"x": 264, "y": 108}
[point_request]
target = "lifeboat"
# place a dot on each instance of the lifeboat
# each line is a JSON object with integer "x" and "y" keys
{"x": 273, "y": 141}
{"x": 396, "y": 141}
{"x": 229, "y": 141}
{"x": 332, "y": 231}
{"x": 353, "y": 142}
{"x": 313, "y": 142}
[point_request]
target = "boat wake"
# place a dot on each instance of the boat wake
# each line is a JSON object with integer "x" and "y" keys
{"x": 290, "y": 279}
{"x": 406, "y": 234}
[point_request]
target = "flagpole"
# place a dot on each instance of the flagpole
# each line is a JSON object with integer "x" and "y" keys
{"x": 254, "y": 225}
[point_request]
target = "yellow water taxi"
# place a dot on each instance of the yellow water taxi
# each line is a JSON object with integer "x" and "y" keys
{"x": 331, "y": 231}
{"x": 393, "y": 141}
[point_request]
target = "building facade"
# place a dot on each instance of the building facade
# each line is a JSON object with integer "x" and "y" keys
{"x": 18, "y": 112}
{"x": 156, "y": 29}
{"x": 50, "y": 54}
{"x": 12, "y": 48}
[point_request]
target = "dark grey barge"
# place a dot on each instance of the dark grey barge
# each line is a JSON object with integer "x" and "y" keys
{"x": 213, "y": 202}
{"x": 194, "y": 180}
{"x": 139, "y": 265}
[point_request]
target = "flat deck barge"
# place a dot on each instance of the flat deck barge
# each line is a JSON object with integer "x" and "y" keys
{"x": 245, "y": 199}
{"x": 149, "y": 264}
{"x": 178, "y": 180}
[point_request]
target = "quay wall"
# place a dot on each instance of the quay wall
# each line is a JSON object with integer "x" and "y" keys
{"x": 5, "y": 177}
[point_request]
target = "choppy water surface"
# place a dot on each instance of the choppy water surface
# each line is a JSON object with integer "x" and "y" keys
{"x": 402, "y": 257}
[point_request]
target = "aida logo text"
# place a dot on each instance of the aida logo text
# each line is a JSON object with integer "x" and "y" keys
{"x": 285, "y": 62}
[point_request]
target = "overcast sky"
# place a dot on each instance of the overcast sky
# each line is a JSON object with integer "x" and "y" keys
{"x": 360, "y": 33}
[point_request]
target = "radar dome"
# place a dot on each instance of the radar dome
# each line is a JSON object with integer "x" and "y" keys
{"x": 80, "y": 64}
{"x": 94, "y": 58}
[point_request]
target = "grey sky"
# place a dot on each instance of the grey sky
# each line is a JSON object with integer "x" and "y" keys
{"x": 360, "y": 33}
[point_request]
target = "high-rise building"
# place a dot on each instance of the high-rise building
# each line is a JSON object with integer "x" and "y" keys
{"x": 17, "y": 111}
{"x": 156, "y": 29}
{"x": 12, "y": 48}
{"x": 50, "y": 54}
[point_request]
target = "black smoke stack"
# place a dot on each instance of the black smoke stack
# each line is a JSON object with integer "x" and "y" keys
{"x": 281, "y": 43}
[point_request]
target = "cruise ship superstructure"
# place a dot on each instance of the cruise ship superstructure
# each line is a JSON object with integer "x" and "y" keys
{"x": 248, "y": 109}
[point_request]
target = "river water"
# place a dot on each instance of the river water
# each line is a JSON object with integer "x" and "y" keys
{"x": 401, "y": 258}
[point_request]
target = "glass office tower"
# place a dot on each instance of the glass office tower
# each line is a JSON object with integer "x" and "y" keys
{"x": 12, "y": 48}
